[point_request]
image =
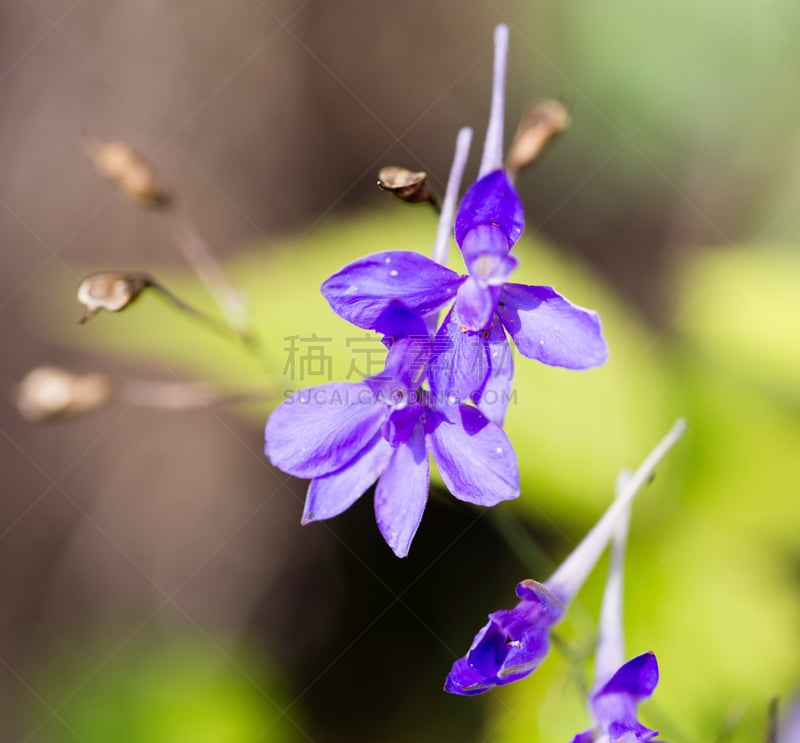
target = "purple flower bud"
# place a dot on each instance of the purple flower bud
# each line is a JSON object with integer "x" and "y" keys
{"x": 515, "y": 642}
{"x": 511, "y": 645}
{"x": 614, "y": 704}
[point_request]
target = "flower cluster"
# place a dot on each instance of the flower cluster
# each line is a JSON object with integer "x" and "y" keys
{"x": 433, "y": 397}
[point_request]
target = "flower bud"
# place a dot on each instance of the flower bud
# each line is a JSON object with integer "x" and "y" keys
{"x": 406, "y": 185}
{"x": 47, "y": 392}
{"x": 542, "y": 121}
{"x": 110, "y": 290}
{"x": 128, "y": 171}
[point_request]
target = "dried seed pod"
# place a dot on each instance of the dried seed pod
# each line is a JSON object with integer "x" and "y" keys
{"x": 110, "y": 290}
{"x": 542, "y": 121}
{"x": 47, "y": 392}
{"x": 127, "y": 170}
{"x": 407, "y": 185}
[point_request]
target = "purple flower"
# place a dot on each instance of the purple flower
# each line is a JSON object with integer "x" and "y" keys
{"x": 515, "y": 642}
{"x": 345, "y": 436}
{"x": 544, "y": 325}
{"x": 614, "y": 704}
{"x": 511, "y": 645}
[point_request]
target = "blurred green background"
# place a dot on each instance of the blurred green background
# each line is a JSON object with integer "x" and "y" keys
{"x": 162, "y": 588}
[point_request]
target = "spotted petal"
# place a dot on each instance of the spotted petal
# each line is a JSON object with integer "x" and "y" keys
{"x": 549, "y": 328}
{"x": 362, "y": 290}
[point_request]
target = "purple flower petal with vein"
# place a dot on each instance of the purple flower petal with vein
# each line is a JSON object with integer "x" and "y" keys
{"x": 347, "y": 436}
{"x": 514, "y": 642}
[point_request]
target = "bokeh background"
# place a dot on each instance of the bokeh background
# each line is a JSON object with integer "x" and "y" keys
{"x": 155, "y": 584}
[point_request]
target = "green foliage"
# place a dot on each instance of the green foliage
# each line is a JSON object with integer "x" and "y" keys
{"x": 166, "y": 692}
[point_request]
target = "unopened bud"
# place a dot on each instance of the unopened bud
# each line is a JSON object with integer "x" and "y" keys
{"x": 47, "y": 392}
{"x": 110, "y": 290}
{"x": 542, "y": 121}
{"x": 407, "y": 185}
{"x": 128, "y": 171}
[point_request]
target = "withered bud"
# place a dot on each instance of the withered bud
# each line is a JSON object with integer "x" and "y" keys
{"x": 407, "y": 185}
{"x": 542, "y": 121}
{"x": 47, "y": 392}
{"x": 110, "y": 290}
{"x": 128, "y": 171}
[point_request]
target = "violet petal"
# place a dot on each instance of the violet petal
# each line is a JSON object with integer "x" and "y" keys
{"x": 362, "y": 290}
{"x": 320, "y": 429}
{"x": 496, "y": 393}
{"x": 402, "y": 493}
{"x": 485, "y": 239}
{"x": 638, "y": 677}
{"x": 474, "y": 456}
{"x": 614, "y": 706}
{"x": 511, "y": 645}
{"x": 547, "y": 327}
{"x": 475, "y": 304}
{"x": 491, "y": 200}
{"x": 459, "y": 365}
{"x": 332, "y": 494}
{"x": 489, "y": 269}
{"x": 465, "y": 680}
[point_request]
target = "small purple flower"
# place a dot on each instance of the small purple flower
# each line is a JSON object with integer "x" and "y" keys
{"x": 345, "y": 436}
{"x": 515, "y": 642}
{"x": 614, "y": 704}
{"x": 511, "y": 645}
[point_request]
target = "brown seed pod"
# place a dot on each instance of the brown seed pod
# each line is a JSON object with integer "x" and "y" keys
{"x": 48, "y": 392}
{"x": 128, "y": 171}
{"x": 407, "y": 185}
{"x": 110, "y": 290}
{"x": 542, "y": 120}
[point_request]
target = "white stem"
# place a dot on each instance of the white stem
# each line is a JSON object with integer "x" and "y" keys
{"x": 568, "y": 578}
{"x": 198, "y": 254}
{"x": 180, "y": 395}
{"x": 493, "y": 145}
{"x": 445, "y": 231}
{"x": 610, "y": 653}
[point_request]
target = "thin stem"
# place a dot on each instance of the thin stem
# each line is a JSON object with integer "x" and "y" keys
{"x": 211, "y": 322}
{"x": 441, "y": 246}
{"x": 610, "y": 643}
{"x": 178, "y": 396}
{"x": 196, "y": 251}
{"x": 493, "y": 145}
{"x": 570, "y": 576}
